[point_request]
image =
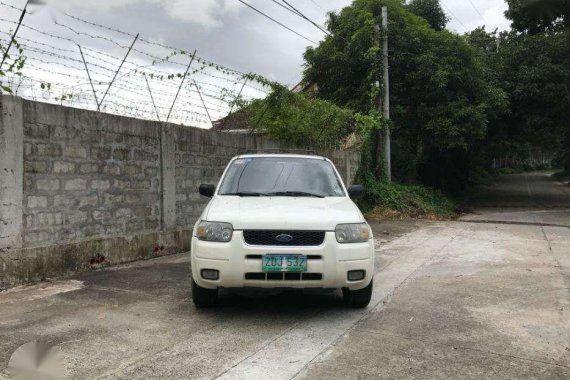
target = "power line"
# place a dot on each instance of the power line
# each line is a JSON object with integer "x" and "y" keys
{"x": 275, "y": 21}
{"x": 454, "y": 16}
{"x": 476, "y": 9}
{"x": 298, "y": 13}
{"x": 318, "y": 6}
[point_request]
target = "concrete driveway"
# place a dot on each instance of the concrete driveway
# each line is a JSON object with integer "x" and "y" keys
{"x": 451, "y": 300}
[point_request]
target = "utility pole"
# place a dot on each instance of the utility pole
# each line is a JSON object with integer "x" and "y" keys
{"x": 386, "y": 108}
{"x": 383, "y": 100}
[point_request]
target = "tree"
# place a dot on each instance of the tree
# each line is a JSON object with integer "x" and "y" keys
{"x": 301, "y": 120}
{"x": 533, "y": 67}
{"x": 534, "y": 70}
{"x": 535, "y": 16}
{"x": 431, "y": 11}
{"x": 441, "y": 101}
{"x": 487, "y": 43}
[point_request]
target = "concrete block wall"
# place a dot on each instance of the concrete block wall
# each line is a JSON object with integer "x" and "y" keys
{"x": 201, "y": 157}
{"x": 79, "y": 186}
{"x": 86, "y": 175}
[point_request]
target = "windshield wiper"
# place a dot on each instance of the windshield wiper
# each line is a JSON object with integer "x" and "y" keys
{"x": 296, "y": 194}
{"x": 247, "y": 194}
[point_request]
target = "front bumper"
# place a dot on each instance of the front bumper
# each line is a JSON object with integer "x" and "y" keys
{"x": 236, "y": 261}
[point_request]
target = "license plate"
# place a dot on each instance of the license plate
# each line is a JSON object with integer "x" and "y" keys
{"x": 284, "y": 263}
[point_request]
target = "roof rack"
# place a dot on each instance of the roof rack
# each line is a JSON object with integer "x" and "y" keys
{"x": 280, "y": 150}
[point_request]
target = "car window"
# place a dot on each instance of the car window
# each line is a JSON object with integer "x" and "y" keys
{"x": 283, "y": 175}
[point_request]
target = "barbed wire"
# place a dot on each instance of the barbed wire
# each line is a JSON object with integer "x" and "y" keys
{"x": 156, "y": 58}
{"x": 217, "y": 87}
{"x": 85, "y": 97}
{"x": 57, "y": 72}
{"x": 132, "y": 35}
{"x": 199, "y": 59}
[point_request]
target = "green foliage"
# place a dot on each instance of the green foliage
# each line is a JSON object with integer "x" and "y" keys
{"x": 389, "y": 199}
{"x": 486, "y": 43}
{"x": 441, "y": 99}
{"x": 534, "y": 70}
{"x": 385, "y": 199}
{"x": 301, "y": 120}
{"x": 13, "y": 64}
{"x": 536, "y": 16}
{"x": 431, "y": 11}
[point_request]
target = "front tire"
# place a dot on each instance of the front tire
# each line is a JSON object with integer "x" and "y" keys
{"x": 357, "y": 299}
{"x": 203, "y": 297}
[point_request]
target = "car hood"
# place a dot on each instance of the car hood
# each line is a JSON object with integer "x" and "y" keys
{"x": 286, "y": 213}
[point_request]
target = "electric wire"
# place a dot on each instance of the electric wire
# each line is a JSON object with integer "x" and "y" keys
{"x": 275, "y": 21}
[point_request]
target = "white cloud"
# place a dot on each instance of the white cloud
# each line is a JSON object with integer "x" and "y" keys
{"x": 207, "y": 13}
{"x": 495, "y": 18}
{"x": 466, "y": 16}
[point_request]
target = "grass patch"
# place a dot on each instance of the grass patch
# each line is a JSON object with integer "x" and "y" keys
{"x": 385, "y": 200}
{"x": 503, "y": 171}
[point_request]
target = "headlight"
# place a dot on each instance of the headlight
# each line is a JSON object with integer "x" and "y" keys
{"x": 214, "y": 231}
{"x": 352, "y": 233}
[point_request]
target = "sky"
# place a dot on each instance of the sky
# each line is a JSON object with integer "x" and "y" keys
{"x": 223, "y": 31}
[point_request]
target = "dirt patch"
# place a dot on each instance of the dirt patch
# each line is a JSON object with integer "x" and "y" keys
{"x": 383, "y": 214}
{"x": 388, "y": 230}
{"x": 39, "y": 291}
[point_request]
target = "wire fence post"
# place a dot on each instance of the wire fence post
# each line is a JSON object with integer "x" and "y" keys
{"x": 181, "y": 82}
{"x": 204, "y": 104}
{"x": 237, "y": 96}
{"x": 88, "y": 76}
{"x": 152, "y": 98}
{"x": 13, "y": 36}
{"x": 117, "y": 72}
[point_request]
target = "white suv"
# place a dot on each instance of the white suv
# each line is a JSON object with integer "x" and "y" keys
{"x": 282, "y": 221}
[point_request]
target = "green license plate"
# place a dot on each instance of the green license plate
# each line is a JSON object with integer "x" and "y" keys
{"x": 284, "y": 263}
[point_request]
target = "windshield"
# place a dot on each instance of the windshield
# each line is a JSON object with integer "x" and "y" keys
{"x": 281, "y": 176}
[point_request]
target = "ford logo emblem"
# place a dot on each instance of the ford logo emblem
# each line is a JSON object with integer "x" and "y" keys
{"x": 284, "y": 238}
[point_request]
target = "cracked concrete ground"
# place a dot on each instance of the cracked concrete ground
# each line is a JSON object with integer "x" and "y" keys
{"x": 493, "y": 303}
{"x": 451, "y": 300}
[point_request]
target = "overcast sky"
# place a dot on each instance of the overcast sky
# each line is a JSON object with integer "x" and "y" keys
{"x": 228, "y": 32}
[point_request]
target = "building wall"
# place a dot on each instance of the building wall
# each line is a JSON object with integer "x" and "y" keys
{"x": 81, "y": 189}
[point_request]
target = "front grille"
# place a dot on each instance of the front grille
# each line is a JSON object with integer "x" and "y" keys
{"x": 279, "y": 238}
{"x": 283, "y": 276}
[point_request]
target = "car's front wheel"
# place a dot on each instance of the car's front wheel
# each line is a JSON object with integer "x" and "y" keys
{"x": 357, "y": 299}
{"x": 203, "y": 297}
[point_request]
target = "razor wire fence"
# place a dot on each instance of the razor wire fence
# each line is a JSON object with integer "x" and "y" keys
{"x": 82, "y": 64}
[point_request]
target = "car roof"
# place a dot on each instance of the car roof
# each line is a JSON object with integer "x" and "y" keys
{"x": 285, "y": 155}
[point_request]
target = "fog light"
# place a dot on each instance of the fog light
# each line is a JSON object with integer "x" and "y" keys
{"x": 356, "y": 275}
{"x": 210, "y": 274}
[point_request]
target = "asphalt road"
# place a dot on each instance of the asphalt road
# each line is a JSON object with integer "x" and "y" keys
{"x": 451, "y": 300}
{"x": 531, "y": 198}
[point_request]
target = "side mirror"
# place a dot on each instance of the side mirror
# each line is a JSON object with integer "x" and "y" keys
{"x": 207, "y": 189}
{"x": 356, "y": 191}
